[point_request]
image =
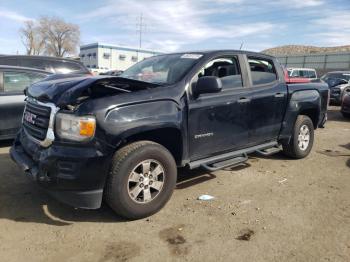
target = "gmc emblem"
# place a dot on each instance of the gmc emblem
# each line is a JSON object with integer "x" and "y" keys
{"x": 30, "y": 117}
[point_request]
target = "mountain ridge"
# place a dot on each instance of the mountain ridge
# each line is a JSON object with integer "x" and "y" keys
{"x": 304, "y": 49}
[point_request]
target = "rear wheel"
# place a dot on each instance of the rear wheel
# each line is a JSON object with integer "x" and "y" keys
{"x": 302, "y": 138}
{"x": 141, "y": 180}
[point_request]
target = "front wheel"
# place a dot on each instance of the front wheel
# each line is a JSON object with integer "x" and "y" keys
{"x": 141, "y": 180}
{"x": 302, "y": 138}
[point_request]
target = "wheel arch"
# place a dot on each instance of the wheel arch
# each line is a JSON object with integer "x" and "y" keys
{"x": 313, "y": 114}
{"x": 169, "y": 137}
{"x": 304, "y": 102}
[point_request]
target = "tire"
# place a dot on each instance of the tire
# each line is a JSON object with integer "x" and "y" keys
{"x": 130, "y": 190}
{"x": 346, "y": 115}
{"x": 295, "y": 149}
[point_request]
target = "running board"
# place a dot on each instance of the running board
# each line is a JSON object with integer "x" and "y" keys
{"x": 230, "y": 155}
{"x": 226, "y": 163}
{"x": 269, "y": 151}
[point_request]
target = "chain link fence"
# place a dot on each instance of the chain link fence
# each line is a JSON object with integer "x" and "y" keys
{"x": 323, "y": 63}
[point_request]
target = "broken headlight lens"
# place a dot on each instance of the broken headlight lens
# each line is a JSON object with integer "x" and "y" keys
{"x": 77, "y": 128}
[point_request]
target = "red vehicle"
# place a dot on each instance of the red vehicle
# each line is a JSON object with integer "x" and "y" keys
{"x": 294, "y": 80}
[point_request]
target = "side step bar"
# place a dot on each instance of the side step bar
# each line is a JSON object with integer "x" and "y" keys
{"x": 230, "y": 156}
{"x": 226, "y": 163}
{"x": 269, "y": 151}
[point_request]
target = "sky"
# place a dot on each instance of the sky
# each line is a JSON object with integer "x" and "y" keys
{"x": 180, "y": 25}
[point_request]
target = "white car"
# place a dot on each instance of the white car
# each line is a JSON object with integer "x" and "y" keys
{"x": 302, "y": 72}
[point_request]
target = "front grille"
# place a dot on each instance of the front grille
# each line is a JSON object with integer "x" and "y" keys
{"x": 36, "y": 120}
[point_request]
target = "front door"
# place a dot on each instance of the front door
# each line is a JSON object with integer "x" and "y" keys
{"x": 217, "y": 121}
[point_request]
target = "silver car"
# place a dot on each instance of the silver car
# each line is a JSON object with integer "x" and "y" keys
{"x": 13, "y": 81}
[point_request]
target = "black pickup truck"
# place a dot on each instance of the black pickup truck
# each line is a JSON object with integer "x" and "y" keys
{"x": 122, "y": 138}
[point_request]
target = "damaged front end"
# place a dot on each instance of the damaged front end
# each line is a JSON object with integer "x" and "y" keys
{"x": 57, "y": 147}
{"x": 61, "y": 97}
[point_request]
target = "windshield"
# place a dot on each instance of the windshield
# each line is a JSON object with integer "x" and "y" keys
{"x": 345, "y": 76}
{"x": 162, "y": 69}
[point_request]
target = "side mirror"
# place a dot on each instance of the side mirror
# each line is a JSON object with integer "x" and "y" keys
{"x": 207, "y": 84}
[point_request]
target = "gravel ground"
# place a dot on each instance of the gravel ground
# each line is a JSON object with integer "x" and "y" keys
{"x": 271, "y": 209}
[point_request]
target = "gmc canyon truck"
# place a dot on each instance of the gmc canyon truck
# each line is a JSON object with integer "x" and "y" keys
{"x": 121, "y": 139}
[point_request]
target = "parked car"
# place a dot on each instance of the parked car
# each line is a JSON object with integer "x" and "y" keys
{"x": 51, "y": 64}
{"x": 302, "y": 72}
{"x": 124, "y": 137}
{"x": 112, "y": 73}
{"x": 13, "y": 80}
{"x": 294, "y": 80}
{"x": 337, "y": 81}
{"x": 345, "y": 106}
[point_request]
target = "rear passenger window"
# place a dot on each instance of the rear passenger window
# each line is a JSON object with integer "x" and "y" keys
{"x": 295, "y": 73}
{"x": 18, "y": 81}
{"x": 262, "y": 70}
{"x": 225, "y": 68}
{"x": 312, "y": 74}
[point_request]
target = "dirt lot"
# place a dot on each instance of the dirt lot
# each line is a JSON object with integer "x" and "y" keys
{"x": 271, "y": 209}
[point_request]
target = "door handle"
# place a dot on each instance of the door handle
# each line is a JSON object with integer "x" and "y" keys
{"x": 243, "y": 100}
{"x": 279, "y": 95}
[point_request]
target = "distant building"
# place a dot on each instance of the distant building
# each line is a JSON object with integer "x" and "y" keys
{"x": 100, "y": 57}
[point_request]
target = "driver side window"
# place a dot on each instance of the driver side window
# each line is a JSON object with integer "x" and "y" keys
{"x": 225, "y": 68}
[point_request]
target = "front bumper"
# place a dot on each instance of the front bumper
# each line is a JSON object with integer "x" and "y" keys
{"x": 73, "y": 174}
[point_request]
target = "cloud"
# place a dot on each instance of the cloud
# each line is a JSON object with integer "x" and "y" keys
{"x": 304, "y": 3}
{"x": 297, "y": 4}
{"x": 333, "y": 29}
{"x": 14, "y": 16}
{"x": 177, "y": 23}
{"x": 336, "y": 21}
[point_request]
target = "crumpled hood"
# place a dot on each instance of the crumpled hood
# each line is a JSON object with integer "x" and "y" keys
{"x": 62, "y": 91}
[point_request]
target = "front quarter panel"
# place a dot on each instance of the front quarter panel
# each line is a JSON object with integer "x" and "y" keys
{"x": 121, "y": 122}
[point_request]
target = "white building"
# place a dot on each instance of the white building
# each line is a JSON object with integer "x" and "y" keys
{"x": 100, "y": 57}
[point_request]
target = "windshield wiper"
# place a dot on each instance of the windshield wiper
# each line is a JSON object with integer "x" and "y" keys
{"x": 117, "y": 88}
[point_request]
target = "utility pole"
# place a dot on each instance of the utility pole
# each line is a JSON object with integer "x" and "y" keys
{"x": 140, "y": 27}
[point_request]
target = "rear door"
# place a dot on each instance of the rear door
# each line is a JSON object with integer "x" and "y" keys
{"x": 12, "y": 85}
{"x": 217, "y": 122}
{"x": 268, "y": 100}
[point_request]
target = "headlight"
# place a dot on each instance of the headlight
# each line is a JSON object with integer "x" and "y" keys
{"x": 78, "y": 128}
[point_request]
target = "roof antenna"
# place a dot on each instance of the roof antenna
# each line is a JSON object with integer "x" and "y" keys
{"x": 240, "y": 48}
